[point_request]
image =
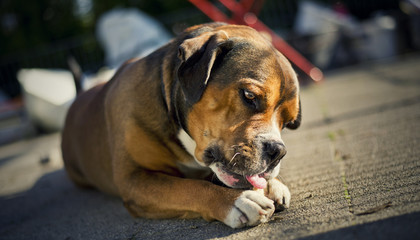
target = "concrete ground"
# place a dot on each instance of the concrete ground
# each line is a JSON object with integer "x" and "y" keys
{"x": 353, "y": 169}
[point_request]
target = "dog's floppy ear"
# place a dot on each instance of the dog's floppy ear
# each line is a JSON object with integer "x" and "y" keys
{"x": 296, "y": 123}
{"x": 198, "y": 56}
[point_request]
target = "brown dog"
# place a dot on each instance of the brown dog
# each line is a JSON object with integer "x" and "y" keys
{"x": 211, "y": 102}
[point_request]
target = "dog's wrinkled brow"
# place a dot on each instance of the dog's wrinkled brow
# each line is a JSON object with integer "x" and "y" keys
{"x": 287, "y": 96}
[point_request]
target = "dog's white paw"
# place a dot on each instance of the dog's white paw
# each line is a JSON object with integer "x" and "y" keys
{"x": 278, "y": 192}
{"x": 250, "y": 208}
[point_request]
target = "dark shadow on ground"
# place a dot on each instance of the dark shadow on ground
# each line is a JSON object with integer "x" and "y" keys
{"x": 56, "y": 209}
{"x": 400, "y": 227}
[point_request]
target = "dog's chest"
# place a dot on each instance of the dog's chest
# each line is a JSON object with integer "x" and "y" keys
{"x": 191, "y": 168}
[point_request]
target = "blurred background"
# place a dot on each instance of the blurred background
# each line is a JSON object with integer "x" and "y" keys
{"x": 41, "y": 40}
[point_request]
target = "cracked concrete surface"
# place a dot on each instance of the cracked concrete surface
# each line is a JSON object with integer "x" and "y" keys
{"x": 353, "y": 169}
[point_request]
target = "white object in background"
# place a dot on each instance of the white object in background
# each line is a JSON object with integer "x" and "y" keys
{"x": 129, "y": 33}
{"x": 47, "y": 94}
{"x": 103, "y": 75}
{"x": 313, "y": 19}
{"x": 380, "y": 38}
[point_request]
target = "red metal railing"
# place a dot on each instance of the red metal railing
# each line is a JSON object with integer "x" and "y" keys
{"x": 245, "y": 13}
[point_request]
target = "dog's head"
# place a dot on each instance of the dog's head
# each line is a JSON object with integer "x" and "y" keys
{"x": 239, "y": 92}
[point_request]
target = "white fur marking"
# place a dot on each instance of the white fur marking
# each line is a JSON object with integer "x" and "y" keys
{"x": 275, "y": 126}
{"x": 189, "y": 144}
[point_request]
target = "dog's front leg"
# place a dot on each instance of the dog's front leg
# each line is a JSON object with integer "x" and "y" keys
{"x": 157, "y": 195}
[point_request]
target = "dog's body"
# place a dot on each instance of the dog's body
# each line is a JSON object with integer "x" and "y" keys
{"x": 212, "y": 101}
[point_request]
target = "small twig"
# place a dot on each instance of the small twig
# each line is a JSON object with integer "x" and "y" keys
{"x": 375, "y": 209}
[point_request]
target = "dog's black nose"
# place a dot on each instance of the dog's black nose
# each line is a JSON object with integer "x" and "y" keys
{"x": 273, "y": 150}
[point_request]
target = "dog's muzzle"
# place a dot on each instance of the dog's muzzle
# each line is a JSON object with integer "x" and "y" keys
{"x": 248, "y": 166}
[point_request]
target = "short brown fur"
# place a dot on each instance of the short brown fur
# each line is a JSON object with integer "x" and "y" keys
{"x": 121, "y": 137}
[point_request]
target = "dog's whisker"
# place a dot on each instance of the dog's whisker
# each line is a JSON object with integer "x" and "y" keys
{"x": 236, "y": 154}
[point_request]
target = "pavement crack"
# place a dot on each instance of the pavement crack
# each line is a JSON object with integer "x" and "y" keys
{"x": 340, "y": 158}
{"x": 347, "y": 195}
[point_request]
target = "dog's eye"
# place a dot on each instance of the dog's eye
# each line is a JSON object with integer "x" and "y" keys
{"x": 249, "y": 98}
{"x": 249, "y": 95}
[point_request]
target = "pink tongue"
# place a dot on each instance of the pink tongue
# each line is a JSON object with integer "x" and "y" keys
{"x": 257, "y": 181}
